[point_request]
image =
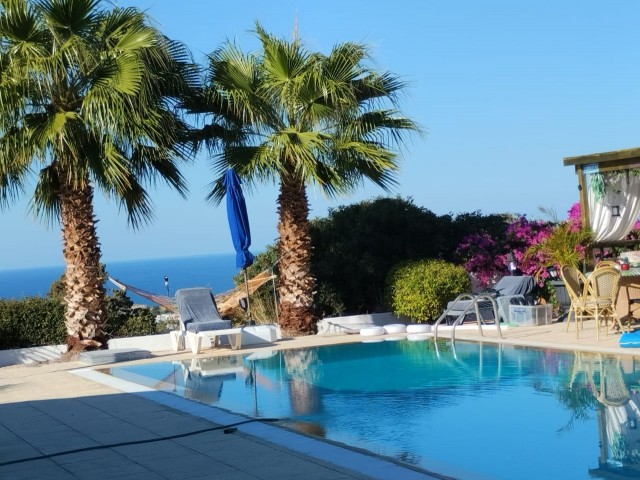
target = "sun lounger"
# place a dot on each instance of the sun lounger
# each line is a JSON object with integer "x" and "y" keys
{"x": 199, "y": 317}
{"x": 513, "y": 290}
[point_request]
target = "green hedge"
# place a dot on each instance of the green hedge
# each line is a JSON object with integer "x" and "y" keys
{"x": 125, "y": 321}
{"x": 31, "y": 322}
{"x": 420, "y": 290}
{"x": 36, "y": 321}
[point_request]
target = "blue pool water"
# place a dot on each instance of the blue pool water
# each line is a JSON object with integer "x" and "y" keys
{"x": 470, "y": 410}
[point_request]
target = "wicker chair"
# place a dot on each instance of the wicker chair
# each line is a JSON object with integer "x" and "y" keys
{"x": 599, "y": 297}
{"x": 610, "y": 388}
{"x": 606, "y": 263}
{"x": 574, "y": 280}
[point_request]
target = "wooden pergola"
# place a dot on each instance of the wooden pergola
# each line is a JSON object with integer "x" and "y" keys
{"x": 602, "y": 162}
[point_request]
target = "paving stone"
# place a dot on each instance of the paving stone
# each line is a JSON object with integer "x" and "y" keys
{"x": 35, "y": 470}
{"x": 108, "y": 465}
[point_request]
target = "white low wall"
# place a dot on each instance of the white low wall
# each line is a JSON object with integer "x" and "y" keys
{"x": 349, "y": 323}
{"x": 153, "y": 343}
{"x": 31, "y": 355}
{"x": 252, "y": 335}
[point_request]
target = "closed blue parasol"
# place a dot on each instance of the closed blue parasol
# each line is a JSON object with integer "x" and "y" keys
{"x": 239, "y": 226}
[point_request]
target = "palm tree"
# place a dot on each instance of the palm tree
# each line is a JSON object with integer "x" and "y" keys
{"x": 296, "y": 118}
{"x": 86, "y": 102}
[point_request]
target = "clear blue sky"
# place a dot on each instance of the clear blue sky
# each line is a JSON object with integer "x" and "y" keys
{"x": 503, "y": 89}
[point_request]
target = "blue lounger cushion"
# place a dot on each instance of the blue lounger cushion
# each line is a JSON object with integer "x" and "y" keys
{"x": 630, "y": 340}
{"x": 198, "y": 311}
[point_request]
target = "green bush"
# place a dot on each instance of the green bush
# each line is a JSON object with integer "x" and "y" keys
{"x": 31, "y": 322}
{"x": 125, "y": 321}
{"x": 328, "y": 302}
{"x": 141, "y": 322}
{"x": 420, "y": 290}
{"x": 36, "y": 321}
{"x": 356, "y": 246}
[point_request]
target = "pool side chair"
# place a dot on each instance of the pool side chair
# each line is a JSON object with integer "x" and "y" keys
{"x": 599, "y": 297}
{"x": 575, "y": 281}
{"x": 198, "y": 312}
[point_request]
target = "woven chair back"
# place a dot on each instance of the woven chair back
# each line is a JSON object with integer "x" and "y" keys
{"x": 607, "y": 383}
{"x": 603, "y": 284}
{"x": 574, "y": 281}
{"x": 606, "y": 263}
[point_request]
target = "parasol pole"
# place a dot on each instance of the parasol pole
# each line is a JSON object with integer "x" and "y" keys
{"x": 275, "y": 295}
{"x": 246, "y": 285}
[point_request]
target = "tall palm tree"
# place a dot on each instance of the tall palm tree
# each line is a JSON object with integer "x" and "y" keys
{"x": 297, "y": 118}
{"x": 86, "y": 101}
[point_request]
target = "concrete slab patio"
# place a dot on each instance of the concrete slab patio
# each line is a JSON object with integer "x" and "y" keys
{"x": 57, "y": 424}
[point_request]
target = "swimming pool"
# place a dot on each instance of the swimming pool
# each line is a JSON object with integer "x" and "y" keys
{"x": 496, "y": 411}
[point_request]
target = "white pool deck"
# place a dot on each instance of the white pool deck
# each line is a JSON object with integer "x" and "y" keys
{"x": 64, "y": 420}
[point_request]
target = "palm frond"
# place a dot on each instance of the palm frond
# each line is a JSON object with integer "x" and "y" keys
{"x": 375, "y": 86}
{"x": 384, "y": 126}
{"x": 45, "y": 202}
{"x": 13, "y": 167}
{"x": 69, "y": 17}
{"x": 285, "y": 111}
{"x": 135, "y": 201}
{"x": 93, "y": 94}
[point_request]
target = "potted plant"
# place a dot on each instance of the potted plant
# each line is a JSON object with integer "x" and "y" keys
{"x": 566, "y": 244}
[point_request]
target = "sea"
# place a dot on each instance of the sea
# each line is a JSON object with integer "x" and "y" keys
{"x": 213, "y": 271}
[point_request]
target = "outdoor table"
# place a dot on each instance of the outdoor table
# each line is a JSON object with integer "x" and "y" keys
{"x": 629, "y": 289}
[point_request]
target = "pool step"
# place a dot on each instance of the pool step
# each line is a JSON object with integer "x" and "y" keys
{"x": 99, "y": 357}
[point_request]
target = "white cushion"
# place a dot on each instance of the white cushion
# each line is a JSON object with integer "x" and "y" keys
{"x": 419, "y": 328}
{"x": 395, "y": 328}
{"x": 371, "y": 331}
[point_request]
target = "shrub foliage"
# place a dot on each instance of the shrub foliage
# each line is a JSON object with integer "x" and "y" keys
{"x": 356, "y": 246}
{"x": 31, "y": 322}
{"x": 420, "y": 290}
{"x": 125, "y": 321}
{"x": 36, "y": 321}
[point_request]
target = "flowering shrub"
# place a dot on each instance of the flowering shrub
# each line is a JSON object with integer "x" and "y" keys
{"x": 634, "y": 234}
{"x": 483, "y": 257}
{"x": 520, "y": 236}
{"x": 535, "y": 244}
{"x": 486, "y": 257}
{"x": 575, "y": 216}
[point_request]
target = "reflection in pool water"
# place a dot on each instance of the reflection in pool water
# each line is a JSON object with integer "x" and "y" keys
{"x": 498, "y": 411}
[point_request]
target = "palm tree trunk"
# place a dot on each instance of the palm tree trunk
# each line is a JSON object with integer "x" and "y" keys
{"x": 296, "y": 284}
{"x": 85, "y": 296}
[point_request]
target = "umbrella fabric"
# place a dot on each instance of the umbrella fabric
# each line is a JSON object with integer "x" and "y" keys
{"x": 238, "y": 219}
